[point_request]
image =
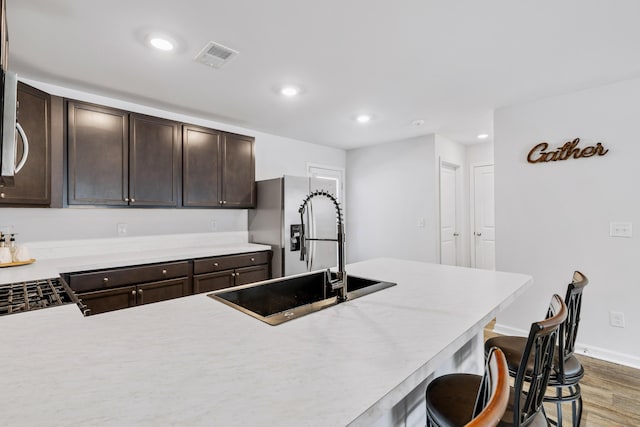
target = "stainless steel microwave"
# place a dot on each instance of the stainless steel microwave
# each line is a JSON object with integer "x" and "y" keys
{"x": 9, "y": 164}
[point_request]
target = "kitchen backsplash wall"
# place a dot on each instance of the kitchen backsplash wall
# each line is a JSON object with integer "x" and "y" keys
{"x": 80, "y": 223}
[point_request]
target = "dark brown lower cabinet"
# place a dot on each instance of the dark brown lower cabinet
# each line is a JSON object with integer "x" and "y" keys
{"x": 251, "y": 274}
{"x": 225, "y": 279}
{"x": 129, "y": 296}
{"x": 112, "y": 299}
{"x": 117, "y": 288}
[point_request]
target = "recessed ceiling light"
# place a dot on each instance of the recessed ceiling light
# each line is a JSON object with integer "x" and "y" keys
{"x": 161, "y": 43}
{"x": 363, "y": 118}
{"x": 289, "y": 91}
{"x": 483, "y": 136}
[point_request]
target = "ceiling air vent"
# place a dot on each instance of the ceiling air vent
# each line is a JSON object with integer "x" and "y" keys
{"x": 215, "y": 55}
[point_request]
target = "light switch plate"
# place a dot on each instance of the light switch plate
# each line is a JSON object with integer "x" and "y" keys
{"x": 620, "y": 229}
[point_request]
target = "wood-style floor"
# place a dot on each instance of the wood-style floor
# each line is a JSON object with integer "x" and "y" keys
{"x": 610, "y": 394}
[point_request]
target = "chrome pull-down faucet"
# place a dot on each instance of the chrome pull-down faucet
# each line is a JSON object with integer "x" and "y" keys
{"x": 340, "y": 283}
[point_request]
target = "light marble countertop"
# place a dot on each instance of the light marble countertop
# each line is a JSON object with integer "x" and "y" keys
{"x": 194, "y": 361}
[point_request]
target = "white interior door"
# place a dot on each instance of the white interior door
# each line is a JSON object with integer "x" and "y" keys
{"x": 449, "y": 214}
{"x": 484, "y": 228}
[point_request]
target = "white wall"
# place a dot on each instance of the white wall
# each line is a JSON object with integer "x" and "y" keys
{"x": 480, "y": 154}
{"x": 389, "y": 187}
{"x": 553, "y": 218}
{"x": 275, "y": 156}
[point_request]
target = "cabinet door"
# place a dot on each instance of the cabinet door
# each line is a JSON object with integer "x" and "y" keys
{"x": 161, "y": 291}
{"x": 109, "y": 300}
{"x": 213, "y": 281}
{"x": 252, "y": 274}
{"x": 98, "y": 155}
{"x": 32, "y": 183}
{"x": 201, "y": 151}
{"x": 238, "y": 172}
{"x": 154, "y": 156}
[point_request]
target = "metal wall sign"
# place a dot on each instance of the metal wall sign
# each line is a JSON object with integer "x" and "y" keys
{"x": 541, "y": 152}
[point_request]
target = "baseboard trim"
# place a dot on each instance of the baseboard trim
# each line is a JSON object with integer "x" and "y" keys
{"x": 587, "y": 350}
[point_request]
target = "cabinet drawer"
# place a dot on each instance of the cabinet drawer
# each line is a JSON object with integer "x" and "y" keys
{"x": 105, "y": 279}
{"x": 209, "y": 265}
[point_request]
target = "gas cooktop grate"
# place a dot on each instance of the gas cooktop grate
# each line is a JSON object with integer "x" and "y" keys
{"x": 33, "y": 295}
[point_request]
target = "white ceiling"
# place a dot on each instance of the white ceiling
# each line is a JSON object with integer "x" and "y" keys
{"x": 450, "y": 63}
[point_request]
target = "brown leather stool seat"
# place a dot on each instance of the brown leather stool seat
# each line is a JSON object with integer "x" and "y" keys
{"x": 451, "y": 399}
{"x": 567, "y": 369}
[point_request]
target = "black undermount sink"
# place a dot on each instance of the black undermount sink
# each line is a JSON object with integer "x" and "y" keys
{"x": 279, "y": 300}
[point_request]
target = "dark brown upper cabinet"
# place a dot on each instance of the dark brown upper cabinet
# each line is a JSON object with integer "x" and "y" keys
{"x": 154, "y": 161}
{"x": 201, "y": 165}
{"x": 98, "y": 155}
{"x": 238, "y": 172}
{"x": 32, "y": 183}
{"x": 117, "y": 159}
{"x": 218, "y": 169}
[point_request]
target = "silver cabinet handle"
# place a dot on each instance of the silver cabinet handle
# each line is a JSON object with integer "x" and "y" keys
{"x": 133, "y": 200}
{"x": 221, "y": 202}
{"x": 253, "y": 259}
{"x": 2, "y": 196}
{"x": 105, "y": 280}
{"x": 215, "y": 264}
{"x": 478, "y": 234}
{"x": 133, "y": 292}
{"x": 164, "y": 271}
{"x": 455, "y": 234}
{"x": 126, "y": 199}
{"x": 139, "y": 291}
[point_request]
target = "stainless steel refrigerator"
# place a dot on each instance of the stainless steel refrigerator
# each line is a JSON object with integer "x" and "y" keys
{"x": 276, "y": 221}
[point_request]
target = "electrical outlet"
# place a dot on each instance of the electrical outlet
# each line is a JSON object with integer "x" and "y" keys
{"x": 616, "y": 319}
{"x": 620, "y": 229}
{"x": 122, "y": 229}
{"x": 214, "y": 225}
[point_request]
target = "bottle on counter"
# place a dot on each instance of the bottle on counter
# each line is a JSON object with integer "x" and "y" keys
{"x": 5, "y": 252}
{"x": 12, "y": 247}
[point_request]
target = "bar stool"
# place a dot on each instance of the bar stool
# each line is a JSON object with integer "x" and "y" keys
{"x": 450, "y": 398}
{"x": 488, "y": 402}
{"x": 567, "y": 371}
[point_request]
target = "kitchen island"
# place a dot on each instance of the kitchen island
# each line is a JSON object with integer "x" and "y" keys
{"x": 194, "y": 361}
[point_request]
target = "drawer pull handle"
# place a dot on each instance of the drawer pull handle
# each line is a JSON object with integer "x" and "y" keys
{"x": 133, "y": 200}
{"x": 215, "y": 264}
{"x": 253, "y": 259}
{"x": 233, "y": 274}
{"x": 140, "y": 291}
{"x": 105, "y": 280}
{"x": 164, "y": 271}
{"x": 133, "y": 292}
{"x": 126, "y": 199}
{"x": 2, "y": 196}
